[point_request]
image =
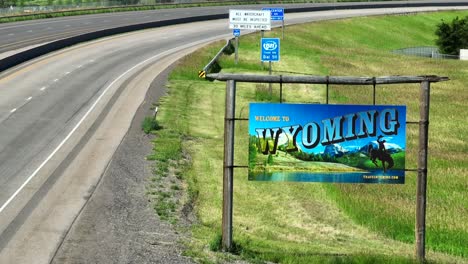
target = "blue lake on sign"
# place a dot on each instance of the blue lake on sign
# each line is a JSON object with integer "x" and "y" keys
{"x": 371, "y": 176}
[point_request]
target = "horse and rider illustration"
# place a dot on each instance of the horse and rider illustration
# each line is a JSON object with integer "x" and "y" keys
{"x": 381, "y": 154}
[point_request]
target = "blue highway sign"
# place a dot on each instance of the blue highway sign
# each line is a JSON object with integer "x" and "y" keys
{"x": 236, "y": 32}
{"x": 277, "y": 13}
{"x": 270, "y": 49}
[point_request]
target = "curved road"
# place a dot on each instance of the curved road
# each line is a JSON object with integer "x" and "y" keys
{"x": 63, "y": 115}
{"x": 19, "y": 35}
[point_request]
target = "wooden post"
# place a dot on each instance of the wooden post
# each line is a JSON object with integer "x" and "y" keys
{"x": 228, "y": 164}
{"x": 281, "y": 90}
{"x": 236, "y": 57}
{"x": 420, "y": 229}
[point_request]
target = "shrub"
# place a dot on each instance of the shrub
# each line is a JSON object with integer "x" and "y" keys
{"x": 452, "y": 36}
{"x": 149, "y": 124}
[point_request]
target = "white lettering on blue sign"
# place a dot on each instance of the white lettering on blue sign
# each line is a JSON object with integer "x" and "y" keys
{"x": 277, "y": 13}
{"x": 270, "y": 49}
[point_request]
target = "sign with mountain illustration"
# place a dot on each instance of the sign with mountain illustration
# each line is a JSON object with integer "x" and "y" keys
{"x": 327, "y": 143}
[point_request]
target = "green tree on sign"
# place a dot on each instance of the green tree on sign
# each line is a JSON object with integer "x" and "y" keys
{"x": 452, "y": 36}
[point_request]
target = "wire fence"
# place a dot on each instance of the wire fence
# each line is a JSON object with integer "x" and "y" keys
{"x": 426, "y": 51}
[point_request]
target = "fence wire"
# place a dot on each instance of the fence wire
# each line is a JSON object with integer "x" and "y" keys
{"x": 426, "y": 51}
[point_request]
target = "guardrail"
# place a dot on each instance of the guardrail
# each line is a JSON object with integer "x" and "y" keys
{"x": 213, "y": 66}
{"x": 24, "y": 56}
{"x": 30, "y": 54}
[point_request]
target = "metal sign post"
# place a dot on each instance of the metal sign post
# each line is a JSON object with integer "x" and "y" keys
{"x": 282, "y": 27}
{"x": 236, "y": 32}
{"x": 277, "y": 14}
{"x": 262, "y": 34}
{"x": 270, "y": 52}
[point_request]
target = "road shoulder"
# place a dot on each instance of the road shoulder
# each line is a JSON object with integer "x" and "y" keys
{"x": 118, "y": 225}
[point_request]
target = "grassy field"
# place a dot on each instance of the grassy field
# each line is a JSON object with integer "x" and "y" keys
{"x": 324, "y": 223}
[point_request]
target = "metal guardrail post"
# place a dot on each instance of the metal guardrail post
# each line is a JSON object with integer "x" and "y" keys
{"x": 420, "y": 229}
{"x": 228, "y": 167}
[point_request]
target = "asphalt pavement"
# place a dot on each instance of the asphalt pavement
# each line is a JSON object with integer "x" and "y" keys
{"x": 23, "y": 34}
{"x": 117, "y": 224}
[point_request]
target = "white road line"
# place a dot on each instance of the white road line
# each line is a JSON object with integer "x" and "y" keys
{"x": 67, "y": 73}
{"x": 91, "y": 60}
{"x": 56, "y": 80}
{"x": 168, "y": 52}
{"x": 29, "y": 98}
{"x": 43, "y": 88}
{"x": 79, "y": 66}
{"x": 12, "y": 111}
{"x": 11, "y": 34}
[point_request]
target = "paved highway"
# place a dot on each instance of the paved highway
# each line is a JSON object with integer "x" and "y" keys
{"x": 24, "y": 34}
{"x": 63, "y": 115}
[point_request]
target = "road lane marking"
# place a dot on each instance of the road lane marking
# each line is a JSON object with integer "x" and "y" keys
{"x": 161, "y": 55}
{"x": 29, "y": 98}
{"x": 56, "y": 80}
{"x": 11, "y": 34}
{"x": 79, "y": 66}
{"x": 67, "y": 73}
{"x": 13, "y": 110}
{"x": 43, "y": 88}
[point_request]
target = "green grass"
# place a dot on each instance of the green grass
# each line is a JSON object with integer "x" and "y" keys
{"x": 149, "y": 124}
{"x": 326, "y": 223}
